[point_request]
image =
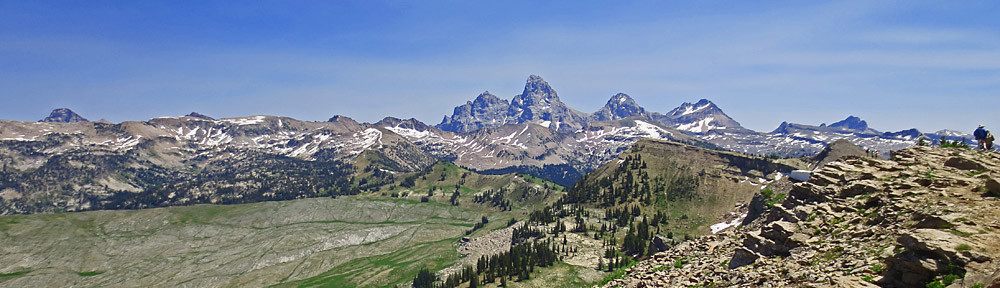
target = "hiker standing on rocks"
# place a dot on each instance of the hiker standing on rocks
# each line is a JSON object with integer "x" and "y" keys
{"x": 988, "y": 141}
{"x": 980, "y": 135}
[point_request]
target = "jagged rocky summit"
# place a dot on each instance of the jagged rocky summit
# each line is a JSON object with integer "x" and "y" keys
{"x": 63, "y": 115}
{"x": 538, "y": 103}
{"x": 927, "y": 218}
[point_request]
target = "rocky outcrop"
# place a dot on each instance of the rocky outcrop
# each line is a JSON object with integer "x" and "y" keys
{"x": 964, "y": 164}
{"x": 926, "y": 217}
{"x": 992, "y": 187}
{"x": 837, "y": 150}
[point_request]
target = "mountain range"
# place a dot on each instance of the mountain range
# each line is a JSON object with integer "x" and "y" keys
{"x": 702, "y": 123}
{"x": 533, "y": 133}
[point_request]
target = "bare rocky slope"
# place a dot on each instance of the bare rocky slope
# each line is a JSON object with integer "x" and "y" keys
{"x": 926, "y": 218}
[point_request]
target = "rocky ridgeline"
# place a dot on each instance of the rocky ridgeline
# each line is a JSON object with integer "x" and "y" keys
{"x": 928, "y": 218}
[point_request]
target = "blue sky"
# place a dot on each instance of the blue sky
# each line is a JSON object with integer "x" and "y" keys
{"x": 897, "y": 64}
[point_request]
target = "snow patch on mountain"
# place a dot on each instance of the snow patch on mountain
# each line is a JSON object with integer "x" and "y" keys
{"x": 652, "y": 131}
{"x": 701, "y": 126}
{"x": 368, "y": 139}
{"x": 691, "y": 109}
{"x": 126, "y": 143}
{"x": 724, "y": 225}
{"x": 245, "y": 120}
{"x": 409, "y": 133}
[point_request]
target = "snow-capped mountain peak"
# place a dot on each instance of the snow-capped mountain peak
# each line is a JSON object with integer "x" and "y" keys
{"x": 699, "y": 118}
{"x": 703, "y": 106}
{"x": 619, "y": 106}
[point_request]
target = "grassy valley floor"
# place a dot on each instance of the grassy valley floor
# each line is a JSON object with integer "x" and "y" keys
{"x": 344, "y": 242}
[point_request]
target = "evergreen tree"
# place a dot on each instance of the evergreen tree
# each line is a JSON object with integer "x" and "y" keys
{"x": 425, "y": 279}
{"x": 474, "y": 281}
{"x": 454, "y": 197}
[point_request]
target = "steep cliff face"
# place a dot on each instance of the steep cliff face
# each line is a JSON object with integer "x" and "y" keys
{"x": 928, "y": 217}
